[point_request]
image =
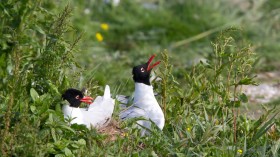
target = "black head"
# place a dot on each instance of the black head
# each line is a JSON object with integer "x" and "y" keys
{"x": 75, "y": 97}
{"x": 141, "y": 73}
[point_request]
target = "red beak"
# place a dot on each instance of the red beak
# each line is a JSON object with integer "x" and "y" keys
{"x": 150, "y": 67}
{"x": 87, "y": 99}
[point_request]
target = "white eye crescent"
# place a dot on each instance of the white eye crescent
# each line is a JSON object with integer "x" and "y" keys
{"x": 77, "y": 97}
{"x": 142, "y": 70}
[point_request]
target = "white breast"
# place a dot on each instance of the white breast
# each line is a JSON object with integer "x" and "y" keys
{"x": 145, "y": 105}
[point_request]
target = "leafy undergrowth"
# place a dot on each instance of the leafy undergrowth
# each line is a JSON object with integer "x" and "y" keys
{"x": 202, "y": 111}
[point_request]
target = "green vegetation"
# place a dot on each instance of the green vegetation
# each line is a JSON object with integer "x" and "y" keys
{"x": 47, "y": 47}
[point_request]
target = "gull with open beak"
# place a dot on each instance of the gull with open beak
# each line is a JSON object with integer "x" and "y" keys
{"x": 144, "y": 104}
{"x": 98, "y": 114}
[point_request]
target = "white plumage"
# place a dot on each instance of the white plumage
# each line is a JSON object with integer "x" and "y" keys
{"x": 97, "y": 115}
{"x": 144, "y": 105}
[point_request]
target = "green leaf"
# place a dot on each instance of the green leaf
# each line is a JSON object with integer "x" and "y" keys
{"x": 263, "y": 118}
{"x": 135, "y": 154}
{"x": 34, "y": 94}
{"x": 264, "y": 128}
{"x": 39, "y": 29}
{"x": 53, "y": 134}
{"x": 53, "y": 88}
{"x": 82, "y": 142}
{"x": 68, "y": 128}
{"x": 42, "y": 109}
{"x": 33, "y": 109}
{"x": 50, "y": 118}
{"x": 243, "y": 97}
{"x": 65, "y": 82}
{"x": 67, "y": 152}
{"x": 58, "y": 107}
{"x": 74, "y": 145}
{"x": 247, "y": 81}
{"x": 154, "y": 154}
{"x": 237, "y": 103}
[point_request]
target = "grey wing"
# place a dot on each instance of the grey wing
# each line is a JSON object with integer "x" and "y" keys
{"x": 122, "y": 99}
{"x": 125, "y": 101}
{"x": 133, "y": 112}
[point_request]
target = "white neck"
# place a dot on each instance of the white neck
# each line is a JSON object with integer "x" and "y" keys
{"x": 143, "y": 91}
{"x": 143, "y": 88}
{"x": 144, "y": 98}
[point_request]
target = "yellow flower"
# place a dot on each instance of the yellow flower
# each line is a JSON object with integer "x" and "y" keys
{"x": 99, "y": 37}
{"x": 104, "y": 26}
{"x": 188, "y": 128}
{"x": 240, "y": 151}
{"x": 216, "y": 122}
{"x": 124, "y": 134}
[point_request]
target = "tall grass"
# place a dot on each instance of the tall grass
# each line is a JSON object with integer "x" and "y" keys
{"x": 34, "y": 57}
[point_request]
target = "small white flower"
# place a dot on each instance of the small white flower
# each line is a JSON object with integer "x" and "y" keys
{"x": 87, "y": 11}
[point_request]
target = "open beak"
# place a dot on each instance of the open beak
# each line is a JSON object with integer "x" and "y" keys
{"x": 150, "y": 67}
{"x": 87, "y": 99}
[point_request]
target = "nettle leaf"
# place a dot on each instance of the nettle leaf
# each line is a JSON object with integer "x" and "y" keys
{"x": 34, "y": 94}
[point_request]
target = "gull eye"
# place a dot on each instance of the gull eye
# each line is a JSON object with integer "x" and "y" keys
{"x": 142, "y": 70}
{"x": 77, "y": 97}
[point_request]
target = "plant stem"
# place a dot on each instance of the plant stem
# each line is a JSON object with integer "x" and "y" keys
{"x": 11, "y": 102}
{"x": 234, "y": 116}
